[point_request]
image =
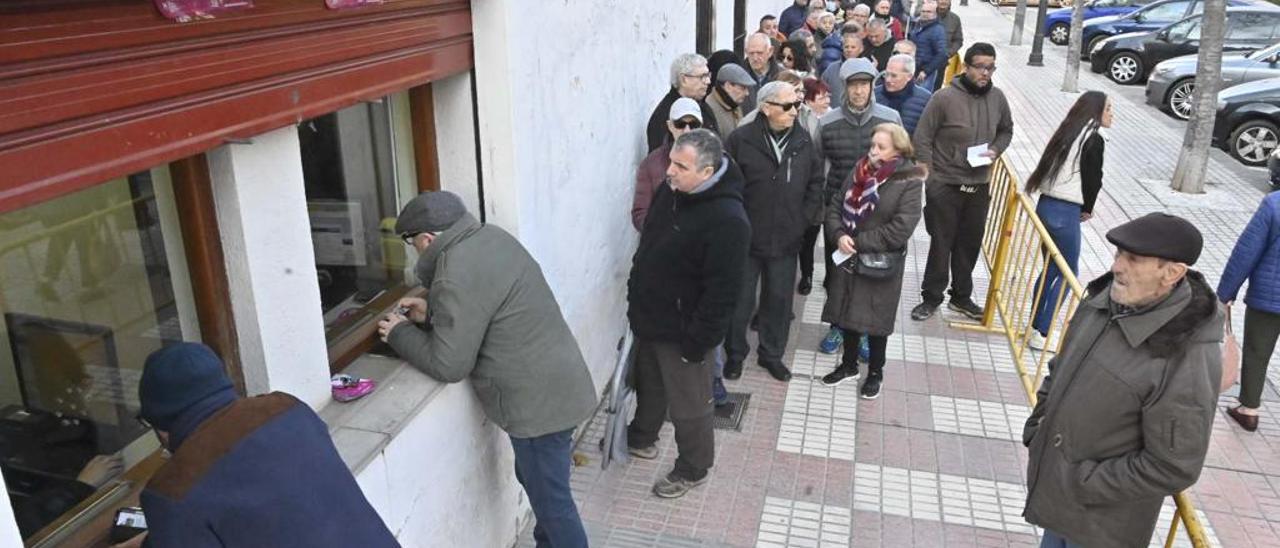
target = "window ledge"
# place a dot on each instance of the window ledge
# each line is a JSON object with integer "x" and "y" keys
{"x": 362, "y": 428}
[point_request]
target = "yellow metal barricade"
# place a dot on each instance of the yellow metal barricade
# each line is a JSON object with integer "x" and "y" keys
{"x": 1018, "y": 251}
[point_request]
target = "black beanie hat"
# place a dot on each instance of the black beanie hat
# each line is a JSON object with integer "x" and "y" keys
{"x": 176, "y": 378}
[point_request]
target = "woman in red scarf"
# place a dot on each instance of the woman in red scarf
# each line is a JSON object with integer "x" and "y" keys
{"x": 872, "y": 219}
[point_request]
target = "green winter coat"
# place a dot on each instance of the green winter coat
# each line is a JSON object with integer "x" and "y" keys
{"x": 493, "y": 318}
{"x": 1124, "y": 416}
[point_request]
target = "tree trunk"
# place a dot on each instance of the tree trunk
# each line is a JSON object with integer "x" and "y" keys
{"x": 1019, "y": 21}
{"x": 1193, "y": 161}
{"x": 1071, "y": 78}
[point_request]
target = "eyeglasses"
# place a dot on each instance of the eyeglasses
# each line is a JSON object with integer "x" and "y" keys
{"x": 984, "y": 68}
{"x": 409, "y": 236}
{"x": 690, "y": 124}
{"x": 704, "y": 76}
{"x": 786, "y": 107}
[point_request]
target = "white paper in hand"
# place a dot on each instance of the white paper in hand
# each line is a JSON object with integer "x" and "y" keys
{"x": 976, "y": 158}
{"x": 839, "y": 257}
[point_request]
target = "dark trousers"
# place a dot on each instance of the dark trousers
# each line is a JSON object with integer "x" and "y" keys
{"x": 806, "y": 250}
{"x": 1054, "y": 540}
{"x": 1260, "y": 331}
{"x": 776, "y": 278}
{"x": 542, "y": 467}
{"x": 955, "y": 220}
{"x": 1062, "y": 220}
{"x": 666, "y": 386}
{"x": 877, "y": 344}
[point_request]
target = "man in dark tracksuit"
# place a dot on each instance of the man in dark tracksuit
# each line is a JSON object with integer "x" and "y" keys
{"x": 970, "y": 112}
{"x": 258, "y": 471}
{"x": 783, "y": 175}
{"x": 685, "y": 280}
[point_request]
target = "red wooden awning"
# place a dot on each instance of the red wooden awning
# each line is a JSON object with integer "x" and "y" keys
{"x": 91, "y": 90}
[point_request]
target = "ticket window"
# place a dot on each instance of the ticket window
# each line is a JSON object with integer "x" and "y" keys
{"x": 91, "y": 283}
{"x": 358, "y": 168}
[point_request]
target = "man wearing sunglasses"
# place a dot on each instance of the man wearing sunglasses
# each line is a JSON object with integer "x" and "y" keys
{"x": 490, "y": 317}
{"x": 691, "y": 78}
{"x": 971, "y": 112}
{"x": 844, "y": 136}
{"x": 783, "y": 175}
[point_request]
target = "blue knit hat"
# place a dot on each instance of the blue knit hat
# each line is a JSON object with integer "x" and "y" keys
{"x": 176, "y": 378}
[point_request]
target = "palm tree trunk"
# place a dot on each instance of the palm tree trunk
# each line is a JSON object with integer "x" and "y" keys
{"x": 1071, "y": 78}
{"x": 1193, "y": 161}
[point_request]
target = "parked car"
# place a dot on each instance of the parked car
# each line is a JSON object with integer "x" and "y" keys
{"x": 1153, "y": 16}
{"x": 1247, "y": 124}
{"x": 1127, "y": 58}
{"x": 1172, "y": 82}
{"x": 1275, "y": 168}
{"x": 1031, "y": 3}
{"x": 1057, "y": 25}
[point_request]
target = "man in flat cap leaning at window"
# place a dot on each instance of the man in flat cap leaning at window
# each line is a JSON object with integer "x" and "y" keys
{"x": 1124, "y": 416}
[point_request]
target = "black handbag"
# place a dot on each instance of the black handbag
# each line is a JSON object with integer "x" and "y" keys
{"x": 879, "y": 265}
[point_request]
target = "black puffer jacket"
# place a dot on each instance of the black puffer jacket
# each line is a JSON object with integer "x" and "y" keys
{"x": 690, "y": 264}
{"x": 781, "y": 197}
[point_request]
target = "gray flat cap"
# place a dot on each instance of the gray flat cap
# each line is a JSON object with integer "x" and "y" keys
{"x": 430, "y": 212}
{"x": 735, "y": 74}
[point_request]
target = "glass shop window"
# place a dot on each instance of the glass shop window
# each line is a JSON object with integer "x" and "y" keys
{"x": 358, "y": 167}
{"x": 91, "y": 283}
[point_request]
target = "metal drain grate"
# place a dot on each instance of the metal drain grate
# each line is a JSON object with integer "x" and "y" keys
{"x": 729, "y": 416}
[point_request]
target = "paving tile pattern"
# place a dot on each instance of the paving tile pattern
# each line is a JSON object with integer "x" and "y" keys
{"x": 937, "y": 460}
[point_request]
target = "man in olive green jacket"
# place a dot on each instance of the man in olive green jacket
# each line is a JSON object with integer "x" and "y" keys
{"x": 1124, "y": 416}
{"x": 490, "y": 316}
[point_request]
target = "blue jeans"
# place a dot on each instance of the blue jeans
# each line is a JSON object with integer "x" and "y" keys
{"x": 1054, "y": 540}
{"x": 718, "y": 391}
{"x": 1062, "y": 219}
{"x": 542, "y": 467}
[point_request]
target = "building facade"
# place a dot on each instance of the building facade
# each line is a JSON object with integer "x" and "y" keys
{"x": 235, "y": 180}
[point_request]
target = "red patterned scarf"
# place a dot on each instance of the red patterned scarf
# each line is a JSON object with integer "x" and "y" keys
{"x": 863, "y": 195}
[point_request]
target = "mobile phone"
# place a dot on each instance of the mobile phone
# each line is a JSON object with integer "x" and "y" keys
{"x": 130, "y": 522}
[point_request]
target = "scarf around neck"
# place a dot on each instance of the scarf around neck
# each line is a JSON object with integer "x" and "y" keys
{"x": 864, "y": 193}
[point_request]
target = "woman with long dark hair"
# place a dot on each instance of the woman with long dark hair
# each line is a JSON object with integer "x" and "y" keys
{"x": 794, "y": 55}
{"x": 1068, "y": 178}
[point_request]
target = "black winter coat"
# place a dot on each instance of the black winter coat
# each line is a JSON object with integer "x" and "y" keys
{"x": 690, "y": 265}
{"x": 781, "y": 197}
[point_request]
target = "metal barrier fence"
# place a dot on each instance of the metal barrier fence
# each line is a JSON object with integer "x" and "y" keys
{"x": 1018, "y": 252}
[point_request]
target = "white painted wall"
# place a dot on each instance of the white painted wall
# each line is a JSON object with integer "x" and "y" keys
{"x": 723, "y": 38}
{"x": 447, "y": 479}
{"x": 9, "y": 535}
{"x": 759, "y": 8}
{"x": 456, "y": 139}
{"x": 266, "y": 238}
{"x": 560, "y": 141}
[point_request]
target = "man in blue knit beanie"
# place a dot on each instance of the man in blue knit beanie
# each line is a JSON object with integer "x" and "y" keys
{"x": 258, "y": 471}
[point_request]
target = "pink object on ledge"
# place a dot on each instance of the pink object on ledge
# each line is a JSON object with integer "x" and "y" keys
{"x": 347, "y": 388}
{"x": 188, "y": 10}
{"x": 343, "y": 4}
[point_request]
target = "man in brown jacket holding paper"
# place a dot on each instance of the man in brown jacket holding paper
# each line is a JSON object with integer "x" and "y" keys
{"x": 1124, "y": 416}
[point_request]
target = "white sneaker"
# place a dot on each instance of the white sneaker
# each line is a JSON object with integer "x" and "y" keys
{"x": 1036, "y": 341}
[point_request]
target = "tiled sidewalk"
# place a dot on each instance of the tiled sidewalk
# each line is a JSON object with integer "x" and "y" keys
{"x": 935, "y": 461}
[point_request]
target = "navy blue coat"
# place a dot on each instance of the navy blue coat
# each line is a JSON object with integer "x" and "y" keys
{"x": 1256, "y": 258}
{"x": 259, "y": 471}
{"x": 909, "y": 104}
{"x": 931, "y": 46}
{"x": 832, "y": 52}
{"x": 791, "y": 19}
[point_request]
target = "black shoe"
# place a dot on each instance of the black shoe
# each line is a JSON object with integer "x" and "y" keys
{"x": 806, "y": 285}
{"x": 755, "y": 322}
{"x": 967, "y": 307}
{"x": 733, "y": 370}
{"x": 871, "y": 388}
{"x": 777, "y": 370}
{"x": 924, "y": 311}
{"x": 840, "y": 375}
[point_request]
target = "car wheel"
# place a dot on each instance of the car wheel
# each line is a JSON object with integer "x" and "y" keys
{"x": 1124, "y": 68}
{"x": 1093, "y": 42}
{"x": 1059, "y": 33}
{"x": 1254, "y": 140}
{"x": 1181, "y": 98}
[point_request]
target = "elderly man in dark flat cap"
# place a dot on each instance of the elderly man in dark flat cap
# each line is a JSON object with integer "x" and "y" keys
{"x": 490, "y": 316}
{"x": 1123, "y": 418}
